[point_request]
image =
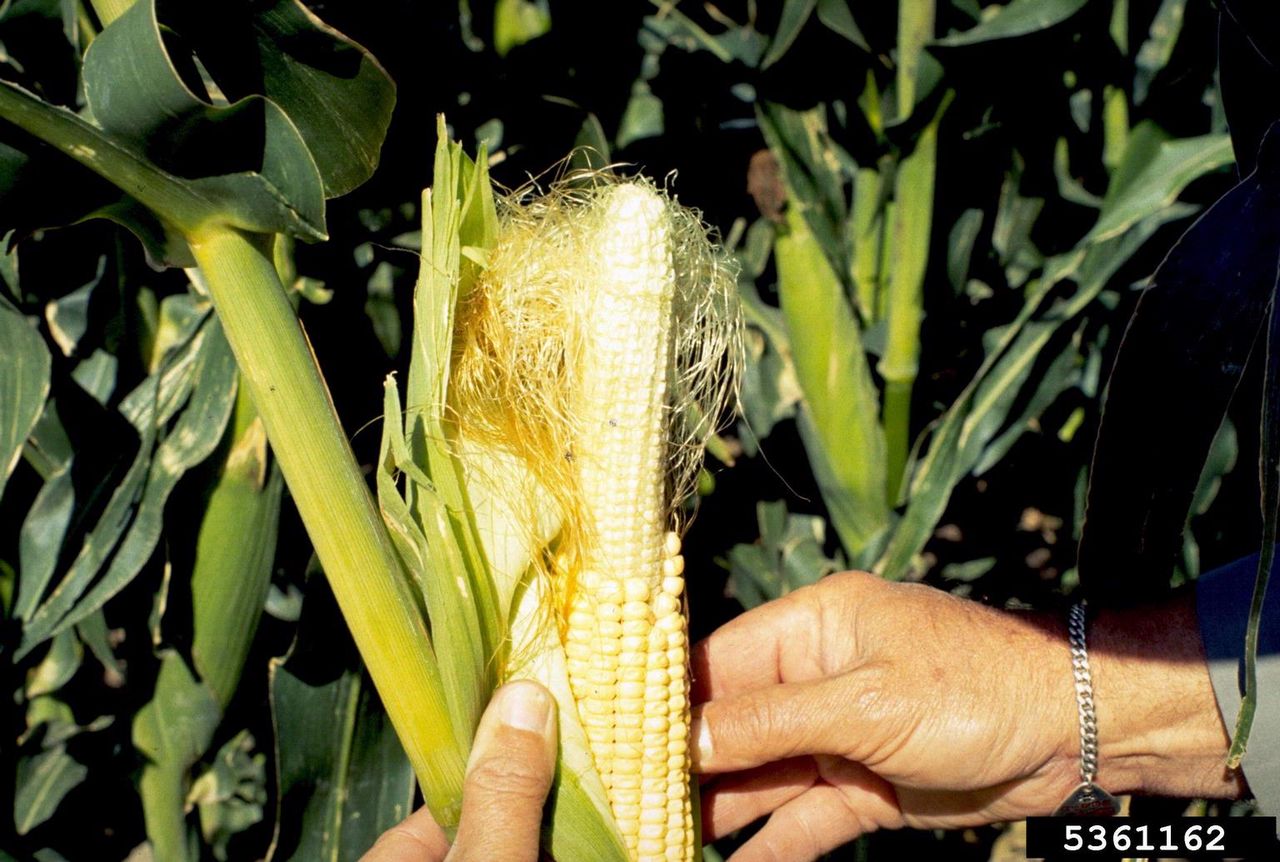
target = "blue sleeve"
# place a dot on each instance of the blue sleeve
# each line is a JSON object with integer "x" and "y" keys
{"x": 1222, "y": 605}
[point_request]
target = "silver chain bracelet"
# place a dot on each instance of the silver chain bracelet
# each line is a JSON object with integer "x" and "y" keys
{"x": 1088, "y": 799}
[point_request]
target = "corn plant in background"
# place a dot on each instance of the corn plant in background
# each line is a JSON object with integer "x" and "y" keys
{"x": 937, "y": 208}
{"x": 854, "y": 233}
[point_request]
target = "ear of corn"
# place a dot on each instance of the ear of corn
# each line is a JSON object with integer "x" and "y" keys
{"x": 625, "y": 638}
{"x": 572, "y": 352}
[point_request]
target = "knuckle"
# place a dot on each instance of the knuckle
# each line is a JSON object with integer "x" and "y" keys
{"x": 757, "y": 719}
{"x": 397, "y": 842}
{"x": 515, "y": 778}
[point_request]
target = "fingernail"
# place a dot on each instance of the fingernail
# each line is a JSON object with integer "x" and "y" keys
{"x": 520, "y": 705}
{"x": 524, "y": 706}
{"x": 701, "y": 740}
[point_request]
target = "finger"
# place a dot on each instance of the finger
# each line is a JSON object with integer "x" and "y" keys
{"x": 823, "y": 818}
{"x": 802, "y": 830}
{"x": 417, "y": 839}
{"x": 508, "y": 776}
{"x": 739, "y": 798}
{"x": 718, "y": 665}
{"x": 849, "y": 715}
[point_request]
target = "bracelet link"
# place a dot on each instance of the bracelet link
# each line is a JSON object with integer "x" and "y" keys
{"x": 1088, "y": 799}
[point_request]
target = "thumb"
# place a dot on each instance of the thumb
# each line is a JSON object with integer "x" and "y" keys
{"x": 510, "y": 771}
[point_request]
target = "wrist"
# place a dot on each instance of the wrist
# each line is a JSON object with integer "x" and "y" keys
{"x": 1159, "y": 727}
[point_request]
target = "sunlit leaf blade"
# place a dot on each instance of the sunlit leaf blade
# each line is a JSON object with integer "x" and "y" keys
{"x": 1017, "y": 18}
{"x": 262, "y": 164}
{"x": 516, "y": 22}
{"x": 244, "y": 199}
{"x": 24, "y": 384}
{"x": 42, "y": 782}
{"x": 154, "y": 102}
{"x": 1155, "y": 175}
{"x": 838, "y": 415}
{"x": 1181, "y": 359}
{"x": 307, "y": 68}
{"x": 157, "y": 133}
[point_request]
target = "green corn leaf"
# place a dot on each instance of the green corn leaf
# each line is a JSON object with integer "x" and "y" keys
{"x": 644, "y": 116}
{"x": 281, "y": 50}
{"x": 838, "y": 17}
{"x": 57, "y": 667}
{"x": 135, "y": 88}
{"x": 208, "y": 391}
{"x": 838, "y": 416}
{"x": 770, "y": 390}
{"x": 208, "y": 169}
{"x": 964, "y": 234}
{"x": 230, "y": 795}
{"x": 1060, "y": 375}
{"x": 957, "y": 443}
{"x": 152, "y": 404}
{"x": 788, "y": 555}
{"x": 981, "y": 413}
{"x": 342, "y": 776}
{"x": 308, "y": 68}
{"x": 795, "y": 14}
{"x": 172, "y": 731}
{"x": 516, "y": 22}
{"x": 43, "y": 780}
{"x": 1152, "y": 175}
{"x": 1017, "y": 18}
{"x": 24, "y": 384}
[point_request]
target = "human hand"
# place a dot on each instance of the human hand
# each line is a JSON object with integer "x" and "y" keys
{"x": 508, "y": 776}
{"x": 859, "y": 704}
